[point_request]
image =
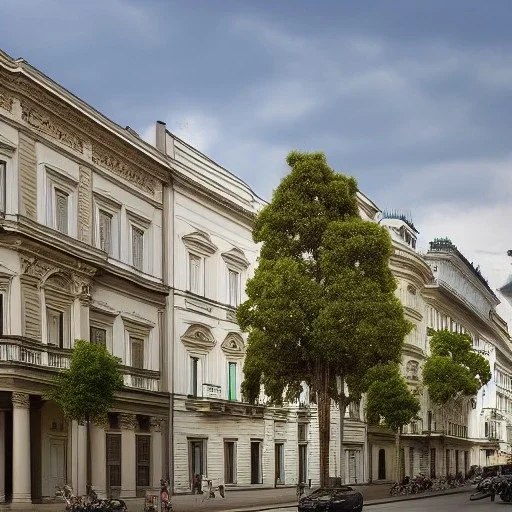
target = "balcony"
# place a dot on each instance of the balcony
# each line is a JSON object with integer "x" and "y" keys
{"x": 15, "y": 350}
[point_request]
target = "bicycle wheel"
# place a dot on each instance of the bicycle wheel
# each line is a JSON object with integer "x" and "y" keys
{"x": 479, "y": 495}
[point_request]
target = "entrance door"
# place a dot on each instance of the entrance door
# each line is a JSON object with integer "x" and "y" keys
{"x": 255, "y": 462}
{"x": 382, "y": 464}
{"x": 303, "y": 462}
{"x": 432, "y": 462}
{"x": 279, "y": 463}
{"x": 353, "y": 465}
{"x": 57, "y": 463}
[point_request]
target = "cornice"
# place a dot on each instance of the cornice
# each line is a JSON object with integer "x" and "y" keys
{"x": 200, "y": 242}
{"x": 198, "y": 339}
{"x": 236, "y": 258}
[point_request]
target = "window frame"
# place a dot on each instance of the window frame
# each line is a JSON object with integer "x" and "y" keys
{"x": 231, "y": 397}
{"x": 7, "y": 152}
{"x": 112, "y": 208}
{"x": 200, "y": 289}
{"x": 141, "y": 341}
{"x": 100, "y": 320}
{"x": 142, "y": 224}
{"x": 234, "y": 300}
{"x": 59, "y": 181}
{"x": 144, "y": 332}
{"x": 195, "y": 386}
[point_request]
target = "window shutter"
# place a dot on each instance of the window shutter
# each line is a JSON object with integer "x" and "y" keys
{"x": 105, "y": 232}
{"x": 137, "y": 346}
{"x": 137, "y": 248}
{"x": 61, "y": 211}
{"x": 2, "y": 187}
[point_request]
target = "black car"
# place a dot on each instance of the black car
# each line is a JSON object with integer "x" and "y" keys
{"x": 332, "y": 499}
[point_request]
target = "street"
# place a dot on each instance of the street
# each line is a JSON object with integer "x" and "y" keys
{"x": 450, "y": 503}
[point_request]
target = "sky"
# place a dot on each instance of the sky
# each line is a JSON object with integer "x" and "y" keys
{"x": 413, "y": 99}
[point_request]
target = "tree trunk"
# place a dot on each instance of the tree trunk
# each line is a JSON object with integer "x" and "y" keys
{"x": 398, "y": 471}
{"x": 324, "y": 423}
{"x": 88, "y": 471}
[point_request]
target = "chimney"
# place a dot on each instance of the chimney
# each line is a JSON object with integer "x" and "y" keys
{"x": 160, "y": 137}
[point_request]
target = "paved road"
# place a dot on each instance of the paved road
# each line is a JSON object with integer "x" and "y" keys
{"x": 450, "y": 503}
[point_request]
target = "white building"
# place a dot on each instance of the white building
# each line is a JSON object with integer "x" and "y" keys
{"x": 81, "y": 229}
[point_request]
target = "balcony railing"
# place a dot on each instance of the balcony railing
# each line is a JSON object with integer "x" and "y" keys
{"x": 15, "y": 349}
{"x": 212, "y": 391}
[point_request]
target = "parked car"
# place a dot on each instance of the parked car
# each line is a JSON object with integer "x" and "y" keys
{"x": 332, "y": 499}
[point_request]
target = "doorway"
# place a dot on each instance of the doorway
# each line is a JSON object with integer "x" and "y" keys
{"x": 255, "y": 462}
{"x": 57, "y": 463}
{"x": 382, "y": 464}
{"x": 279, "y": 463}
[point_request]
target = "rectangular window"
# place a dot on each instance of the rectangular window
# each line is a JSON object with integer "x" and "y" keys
{"x": 105, "y": 232}
{"x": 113, "y": 449}
{"x": 2, "y": 187}
{"x": 197, "y": 460}
{"x": 194, "y": 375}
{"x": 55, "y": 327}
{"x": 279, "y": 463}
{"x": 194, "y": 268}
{"x": 234, "y": 288}
{"x": 1, "y": 313}
{"x": 255, "y": 462}
{"x": 303, "y": 462}
{"x": 302, "y": 431}
{"x": 230, "y": 462}
{"x": 137, "y": 248}
{"x": 143, "y": 460}
{"x": 98, "y": 335}
{"x": 232, "y": 382}
{"x": 137, "y": 352}
{"x": 61, "y": 211}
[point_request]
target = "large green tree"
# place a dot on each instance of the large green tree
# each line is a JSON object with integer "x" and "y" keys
{"x": 86, "y": 391}
{"x": 454, "y": 369}
{"x": 389, "y": 401}
{"x": 321, "y": 309}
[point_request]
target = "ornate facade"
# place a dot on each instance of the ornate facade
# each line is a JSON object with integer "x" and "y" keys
{"x": 81, "y": 225}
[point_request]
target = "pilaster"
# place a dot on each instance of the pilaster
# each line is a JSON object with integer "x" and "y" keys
{"x": 99, "y": 463}
{"x": 21, "y": 482}
{"x": 158, "y": 468}
{"x": 128, "y": 423}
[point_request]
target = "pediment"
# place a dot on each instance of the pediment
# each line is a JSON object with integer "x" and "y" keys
{"x": 236, "y": 258}
{"x": 200, "y": 242}
{"x": 233, "y": 345}
{"x": 7, "y": 145}
{"x": 198, "y": 338}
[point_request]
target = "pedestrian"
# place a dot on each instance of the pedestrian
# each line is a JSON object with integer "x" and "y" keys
{"x": 493, "y": 490}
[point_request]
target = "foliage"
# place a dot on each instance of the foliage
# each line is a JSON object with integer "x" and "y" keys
{"x": 454, "y": 369}
{"x": 86, "y": 390}
{"x": 389, "y": 398}
{"x": 322, "y": 297}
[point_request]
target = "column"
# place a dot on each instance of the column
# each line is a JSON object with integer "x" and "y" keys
{"x": 157, "y": 470}
{"x": 99, "y": 459}
{"x": 128, "y": 423}
{"x": 21, "y": 483}
{"x": 2, "y": 456}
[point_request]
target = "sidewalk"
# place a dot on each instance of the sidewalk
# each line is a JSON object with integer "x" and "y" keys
{"x": 249, "y": 500}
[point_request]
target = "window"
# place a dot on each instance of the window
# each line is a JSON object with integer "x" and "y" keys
{"x": 234, "y": 288}
{"x": 105, "y": 232}
{"x": 194, "y": 273}
{"x": 55, "y": 327}
{"x": 232, "y": 381}
{"x": 302, "y": 432}
{"x": 194, "y": 375}
{"x": 61, "y": 210}
{"x": 113, "y": 449}
{"x": 143, "y": 460}
{"x": 2, "y": 186}
{"x": 137, "y": 352}
{"x": 137, "y": 248}
{"x": 230, "y": 462}
{"x": 98, "y": 335}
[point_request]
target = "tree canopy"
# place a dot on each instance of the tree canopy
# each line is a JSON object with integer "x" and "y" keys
{"x": 454, "y": 369}
{"x": 321, "y": 308}
{"x": 86, "y": 390}
{"x": 389, "y": 399}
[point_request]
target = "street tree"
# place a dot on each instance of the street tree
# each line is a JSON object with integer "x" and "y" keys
{"x": 85, "y": 392}
{"x": 389, "y": 401}
{"x": 321, "y": 309}
{"x": 453, "y": 369}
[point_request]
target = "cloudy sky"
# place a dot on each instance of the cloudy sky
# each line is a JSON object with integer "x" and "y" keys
{"x": 414, "y": 99}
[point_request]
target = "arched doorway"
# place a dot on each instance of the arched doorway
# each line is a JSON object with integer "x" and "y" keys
{"x": 382, "y": 464}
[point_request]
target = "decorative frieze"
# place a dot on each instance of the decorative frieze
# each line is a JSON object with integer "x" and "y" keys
{"x": 106, "y": 159}
{"x": 35, "y": 268}
{"x": 127, "y": 421}
{"x": 6, "y": 99}
{"x": 156, "y": 424}
{"x": 21, "y": 400}
{"x": 47, "y": 124}
{"x": 85, "y": 205}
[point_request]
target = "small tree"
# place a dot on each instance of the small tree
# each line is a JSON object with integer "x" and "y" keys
{"x": 321, "y": 308}
{"x": 85, "y": 392}
{"x": 390, "y": 401}
{"x": 454, "y": 369}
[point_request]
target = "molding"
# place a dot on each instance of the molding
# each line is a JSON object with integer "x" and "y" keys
{"x": 198, "y": 339}
{"x": 6, "y": 99}
{"x": 6, "y": 144}
{"x": 233, "y": 345}
{"x": 138, "y": 219}
{"x": 20, "y": 400}
{"x": 235, "y": 258}
{"x": 200, "y": 242}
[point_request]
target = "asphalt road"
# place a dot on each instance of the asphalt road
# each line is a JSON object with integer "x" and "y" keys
{"x": 449, "y": 503}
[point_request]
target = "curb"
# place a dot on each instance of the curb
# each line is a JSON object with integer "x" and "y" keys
{"x": 378, "y": 501}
